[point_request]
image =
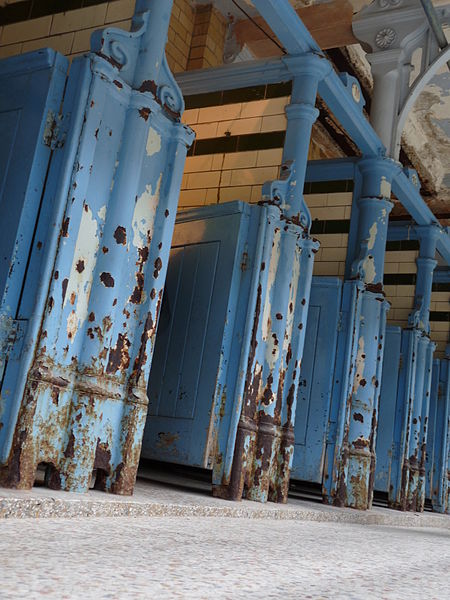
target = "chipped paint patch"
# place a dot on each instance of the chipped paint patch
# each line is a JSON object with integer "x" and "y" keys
{"x": 72, "y": 325}
{"x": 360, "y": 362}
{"x": 80, "y": 283}
{"x": 385, "y": 188}
{"x": 372, "y": 236}
{"x": 273, "y": 266}
{"x": 369, "y": 269}
{"x": 153, "y": 145}
{"x": 144, "y": 214}
{"x": 272, "y": 352}
{"x": 102, "y": 212}
{"x": 292, "y": 296}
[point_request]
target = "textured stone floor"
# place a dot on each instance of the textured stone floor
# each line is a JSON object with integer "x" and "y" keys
{"x": 219, "y": 558}
{"x": 178, "y": 497}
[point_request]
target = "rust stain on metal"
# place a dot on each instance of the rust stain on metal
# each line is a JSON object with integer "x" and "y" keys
{"x": 120, "y": 235}
{"x": 80, "y": 266}
{"x": 144, "y": 113}
{"x": 149, "y": 86}
{"x": 158, "y": 267}
{"x": 65, "y": 227}
{"x": 69, "y": 452}
{"x": 107, "y": 279}
{"x": 64, "y": 283}
{"x": 165, "y": 440}
{"x": 119, "y": 358}
{"x": 361, "y": 443}
{"x": 137, "y": 294}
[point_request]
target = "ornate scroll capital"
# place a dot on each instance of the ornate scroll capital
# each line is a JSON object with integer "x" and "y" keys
{"x": 139, "y": 55}
{"x": 280, "y": 191}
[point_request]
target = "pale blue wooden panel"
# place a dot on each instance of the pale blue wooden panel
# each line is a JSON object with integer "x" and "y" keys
{"x": 190, "y": 340}
{"x": 387, "y": 408}
{"x": 31, "y": 89}
{"x": 190, "y": 279}
{"x": 316, "y": 379}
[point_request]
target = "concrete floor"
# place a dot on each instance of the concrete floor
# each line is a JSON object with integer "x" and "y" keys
{"x": 220, "y": 558}
{"x": 172, "y": 539}
{"x": 159, "y": 495}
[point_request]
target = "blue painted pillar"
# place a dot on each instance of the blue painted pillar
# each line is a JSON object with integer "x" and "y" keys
{"x": 433, "y": 423}
{"x": 414, "y": 461}
{"x": 265, "y": 435}
{"x": 301, "y": 113}
{"x": 81, "y": 402}
{"x": 351, "y": 483}
{"x": 424, "y": 426}
{"x": 438, "y": 455}
{"x": 426, "y": 263}
{"x": 441, "y": 492}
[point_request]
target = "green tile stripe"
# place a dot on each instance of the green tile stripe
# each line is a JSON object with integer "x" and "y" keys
{"x": 442, "y": 316}
{"x": 247, "y": 94}
{"x": 33, "y": 9}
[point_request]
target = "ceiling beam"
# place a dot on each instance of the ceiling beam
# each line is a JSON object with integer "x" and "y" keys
{"x": 330, "y": 25}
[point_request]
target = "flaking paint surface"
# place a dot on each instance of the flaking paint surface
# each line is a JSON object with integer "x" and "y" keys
{"x": 80, "y": 283}
{"x": 153, "y": 145}
{"x": 144, "y": 214}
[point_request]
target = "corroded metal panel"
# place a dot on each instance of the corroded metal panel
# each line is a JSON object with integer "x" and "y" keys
{"x": 265, "y": 440}
{"x": 31, "y": 90}
{"x": 351, "y": 461}
{"x": 196, "y": 359}
{"x": 83, "y": 401}
{"x": 276, "y": 325}
{"x": 249, "y": 327}
{"x": 403, "y": 422}
{"x": 351, "y": 455}
{"x": 438, "y": 467}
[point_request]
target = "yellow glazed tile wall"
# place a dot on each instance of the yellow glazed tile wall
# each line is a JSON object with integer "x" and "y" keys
{"x": 208, "y": 39}
{"x": 70, "y": 32}
{"x": 216, "y": 178}
{"x": 401, "y": 298}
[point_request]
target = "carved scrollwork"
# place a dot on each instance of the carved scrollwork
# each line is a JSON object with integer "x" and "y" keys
{"x": 386, "y": 3}
{"x": 169, "y": 93}
{"x": 119, "y": 53}
{"x": 118, "y": 47}
{"x": 278, "y": 192}
{"x": 415, "y": 317}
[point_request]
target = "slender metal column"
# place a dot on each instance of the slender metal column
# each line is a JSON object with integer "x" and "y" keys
{"x": 83, "y": 401}
{"x": 424, "y": 427}
{"x": 391, "y": 32}
{"x": 265, "y": 440}
{"x": 414, "y": 461}
{"x": 308, "y": 71}
{"x": 434, "y": 421}
{"x": 354, "y": 463}
{"x": 426, "y": 264}
{"x": 439, "y": 473}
